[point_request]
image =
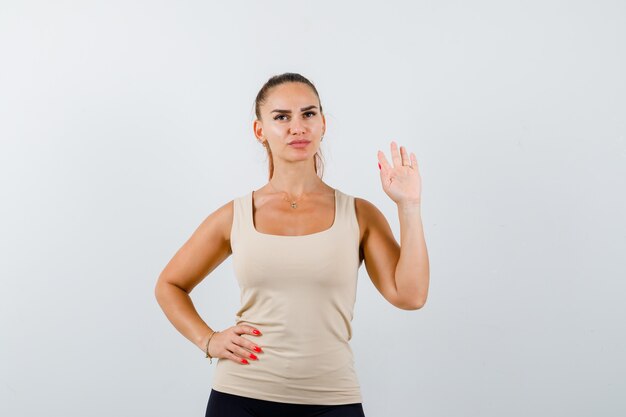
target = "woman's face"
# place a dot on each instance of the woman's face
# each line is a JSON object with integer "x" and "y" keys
{"x": 291, "y": 113}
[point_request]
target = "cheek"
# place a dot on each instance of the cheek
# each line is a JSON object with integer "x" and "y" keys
{"x": 273, "y": 130}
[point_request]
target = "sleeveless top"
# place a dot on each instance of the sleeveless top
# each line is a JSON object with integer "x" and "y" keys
{"x": 299, "y": 291}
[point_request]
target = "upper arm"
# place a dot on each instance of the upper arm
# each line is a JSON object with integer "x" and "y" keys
{"x": 208, "y": 246}
{"x": 379, "y": 249}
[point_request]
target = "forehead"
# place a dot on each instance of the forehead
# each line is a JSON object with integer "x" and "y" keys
{"x": 290, "y": 95}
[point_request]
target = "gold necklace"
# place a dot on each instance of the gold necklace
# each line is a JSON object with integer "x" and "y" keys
{"x": 293, "y": 203}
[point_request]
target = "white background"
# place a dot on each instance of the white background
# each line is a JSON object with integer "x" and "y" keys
{"x": 123, "y": 124}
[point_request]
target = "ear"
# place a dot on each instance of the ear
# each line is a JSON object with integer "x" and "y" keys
{"x": 257, "y": 128}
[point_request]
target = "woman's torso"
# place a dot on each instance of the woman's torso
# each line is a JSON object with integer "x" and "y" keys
{"x": 299, "y": 291}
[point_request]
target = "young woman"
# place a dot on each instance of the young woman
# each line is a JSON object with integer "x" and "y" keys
{"x": 297, "y": 245}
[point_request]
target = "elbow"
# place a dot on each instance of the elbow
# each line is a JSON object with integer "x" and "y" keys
{"x": 411, "y": 305}
{"x": 158, "y": 289}
{"x": 161, "y": 288}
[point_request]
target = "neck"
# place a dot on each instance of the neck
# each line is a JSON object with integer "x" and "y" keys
{"x": 295, "y": 180}
{"x": 295, "y": 188}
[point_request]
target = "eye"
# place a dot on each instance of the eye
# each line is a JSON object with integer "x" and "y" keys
{"x": 312, "y": 113}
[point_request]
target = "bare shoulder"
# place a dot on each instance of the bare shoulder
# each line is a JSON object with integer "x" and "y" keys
{"x": 217, "y": 226}
{"x": 204, "y": 250}
{"x": 222, "y": 218}
{"x": 373, "y": 228}
{"x": 368, "y": 215}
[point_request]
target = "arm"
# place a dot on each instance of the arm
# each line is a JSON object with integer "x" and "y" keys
{"x": 412, "y": 274}
{"x": 208, "y": 247}
{"x": 399, "y": 272}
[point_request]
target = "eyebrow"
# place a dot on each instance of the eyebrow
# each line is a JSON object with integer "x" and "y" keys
{"x": 289, "y": 111}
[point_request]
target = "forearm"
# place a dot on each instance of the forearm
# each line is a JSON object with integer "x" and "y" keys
{"x": 412, "y": 272}
{"x": 180, "y": 311}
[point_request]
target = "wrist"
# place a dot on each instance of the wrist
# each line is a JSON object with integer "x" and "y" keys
{"x": 410, "y": 205}
{"x": 207, "y": 348}
{"x": 201, "y": 343}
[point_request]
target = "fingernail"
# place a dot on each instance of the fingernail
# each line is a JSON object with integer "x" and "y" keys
{"x": 253, "y": 356}
{"x": 379, "y": 165}
{"x": 244, "y": 361}
{"x": 256, "y": 348}
{"x": 255, "y": 331}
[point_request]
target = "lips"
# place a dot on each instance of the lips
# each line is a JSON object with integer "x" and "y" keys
{"x": 299, "y": 141}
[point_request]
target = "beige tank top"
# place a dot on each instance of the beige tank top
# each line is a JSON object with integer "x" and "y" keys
{"x": 299, "y": 291}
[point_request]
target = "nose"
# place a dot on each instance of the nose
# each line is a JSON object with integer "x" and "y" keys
{"x": 297, "y": 126}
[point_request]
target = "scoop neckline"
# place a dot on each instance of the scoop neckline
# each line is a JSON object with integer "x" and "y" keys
{"x": 254, "y": 229}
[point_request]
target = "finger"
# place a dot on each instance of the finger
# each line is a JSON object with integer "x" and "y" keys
{"x": 243, "y": 353}
{"x": 248, "y": 329}
{"x": 405, "y": 156}
{"x": 241, "y": 361}
{"x": 413, "y": 160}
{"x": 242, "y": 341}
{"x": 395, "y": 154}
{"x": 382, "y": 160}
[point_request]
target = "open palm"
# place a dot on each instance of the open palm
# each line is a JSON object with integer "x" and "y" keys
{"x": 402, "y": 181}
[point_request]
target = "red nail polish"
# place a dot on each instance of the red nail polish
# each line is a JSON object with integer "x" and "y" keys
{"x": 255, "y": 331}
{"x": 253, "y": 356}
{"x": 256, "y": 348}
{"x": 244, "y": 361}
{"x": 379, "y": 165}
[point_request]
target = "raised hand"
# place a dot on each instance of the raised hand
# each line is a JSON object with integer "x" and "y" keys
{"x": 402, "y": 181}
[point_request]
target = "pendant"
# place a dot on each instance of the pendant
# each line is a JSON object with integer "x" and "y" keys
{"x": 293, "y": 204}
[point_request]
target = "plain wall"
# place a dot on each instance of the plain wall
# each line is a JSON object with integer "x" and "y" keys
{"x": 123, "y": 124}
